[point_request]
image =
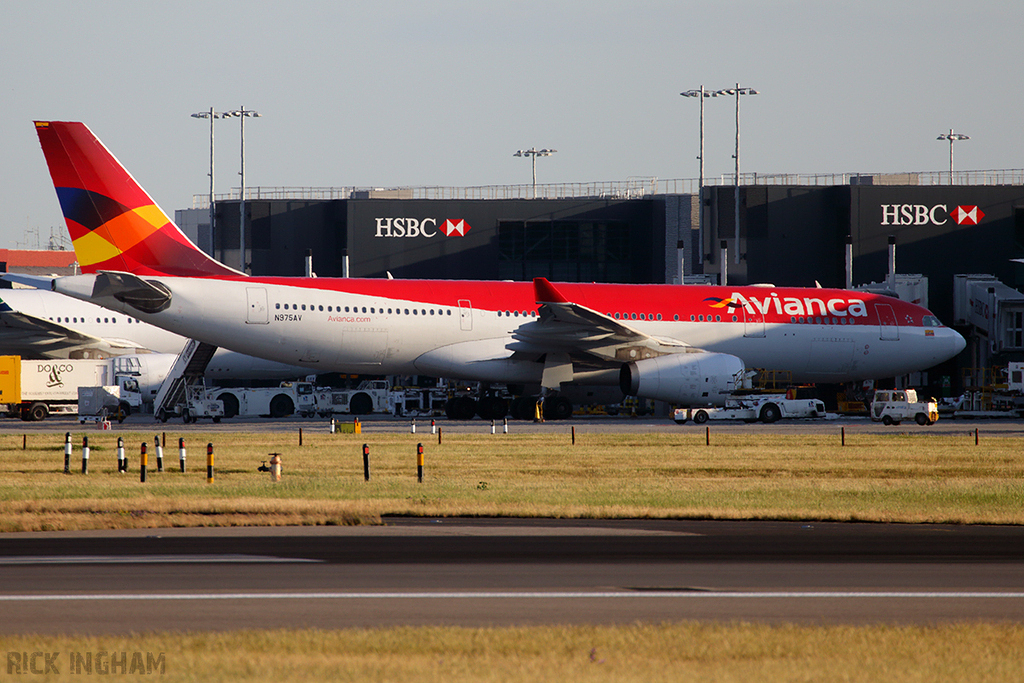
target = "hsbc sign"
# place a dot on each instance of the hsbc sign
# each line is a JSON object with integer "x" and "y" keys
{"x": 421, "y": 227}
{"x": 921, "y": 214}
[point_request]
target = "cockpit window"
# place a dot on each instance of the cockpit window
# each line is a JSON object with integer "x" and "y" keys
{"x": 931, "y": 321}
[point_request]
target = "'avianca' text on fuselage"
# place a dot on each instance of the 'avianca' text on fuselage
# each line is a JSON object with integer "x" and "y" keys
{"x": 795, "y": 306}
{"x": 688, "y": 345}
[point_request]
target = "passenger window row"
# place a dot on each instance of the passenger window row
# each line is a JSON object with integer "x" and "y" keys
{"x": 363, "y": 309}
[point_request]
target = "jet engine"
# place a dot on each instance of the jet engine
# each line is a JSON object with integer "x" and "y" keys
{"x": 683, "y": 378}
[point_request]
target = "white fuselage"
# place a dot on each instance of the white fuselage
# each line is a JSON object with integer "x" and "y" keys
{"x": 331, "y": 330}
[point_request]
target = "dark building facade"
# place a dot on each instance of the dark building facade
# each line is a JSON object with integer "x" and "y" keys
{"x": 796, "y": 235}
{"x": 601, "y": 240}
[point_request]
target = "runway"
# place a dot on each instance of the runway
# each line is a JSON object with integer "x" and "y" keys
{"x": 474, "y": 572}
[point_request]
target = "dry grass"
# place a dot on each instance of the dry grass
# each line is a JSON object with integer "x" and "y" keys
{"x": 667, "y": 652}
{"x": 891, "y": 478}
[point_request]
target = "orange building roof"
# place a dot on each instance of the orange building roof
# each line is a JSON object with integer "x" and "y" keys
{"x": 37, "y": 258}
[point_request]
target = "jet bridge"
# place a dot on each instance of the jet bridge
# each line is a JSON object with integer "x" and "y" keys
{"x": 994, "y": 314}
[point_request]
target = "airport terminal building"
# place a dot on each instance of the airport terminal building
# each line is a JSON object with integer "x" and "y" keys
{"x": 792, "y": 231}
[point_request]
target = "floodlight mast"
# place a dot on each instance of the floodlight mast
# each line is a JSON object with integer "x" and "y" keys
{"x": 952, "y": 137}
{"x": 699, "y": 93}
{"x": 242, "y": 113}
{"x": 737, "y": 91}
{"x": 533, "y": 153}
{"x": 212, "y": 115}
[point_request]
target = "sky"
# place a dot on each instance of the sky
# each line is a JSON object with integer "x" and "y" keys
{"x": 395, "y": 93}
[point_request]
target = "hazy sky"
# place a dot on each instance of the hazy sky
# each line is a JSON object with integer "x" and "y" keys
{"x": 394, "y": 93}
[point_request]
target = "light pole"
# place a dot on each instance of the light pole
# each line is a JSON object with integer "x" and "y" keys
{"x": 212, "y": 115}
{"x": 241, "y": 113}
{"x": 701, "y": 93}
{"x": 533, "y": 153}
{"x": 737, "y": 91}
{"x": 952, "y": 137}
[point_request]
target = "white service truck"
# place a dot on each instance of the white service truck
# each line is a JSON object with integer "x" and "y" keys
{"x": 766, "y": 408}
{"x": 136, "y": 380}
{"x": 892, "y": 406}
{"x": 371, "y": 396}
{"x": 35, "y": 389}
{"x": 280, "y": 401}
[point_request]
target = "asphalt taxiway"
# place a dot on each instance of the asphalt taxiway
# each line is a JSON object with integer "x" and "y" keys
{"x": 478, "y": 572}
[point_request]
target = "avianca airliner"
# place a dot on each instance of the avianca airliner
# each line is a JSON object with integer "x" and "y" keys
{"x": 685, "y": 344}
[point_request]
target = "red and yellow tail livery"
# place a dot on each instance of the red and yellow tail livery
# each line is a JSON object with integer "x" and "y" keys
{"x": 114, "y": 224}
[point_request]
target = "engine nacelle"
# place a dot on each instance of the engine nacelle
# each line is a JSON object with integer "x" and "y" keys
{"x": 683, "y": 378}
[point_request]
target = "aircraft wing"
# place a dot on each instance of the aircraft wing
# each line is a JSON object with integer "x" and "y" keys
{"x": 27, "y": 335}
{"x": 569, "y": 328}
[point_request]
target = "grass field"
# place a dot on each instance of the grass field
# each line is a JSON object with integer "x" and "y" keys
{"x": 885, "y": 478}
{"x": 897, "y": 477}
{"x": 642, "y": 653}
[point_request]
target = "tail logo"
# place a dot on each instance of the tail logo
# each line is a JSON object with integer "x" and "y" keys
{"x": 94, "y": 219}
{"x": 114, "y": 224}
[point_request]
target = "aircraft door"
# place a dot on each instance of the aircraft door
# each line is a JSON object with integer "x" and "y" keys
{"x": 753, "y": 321}
{"x": 465, "y": 314}
{"x": 888, "y": 327}
{"x": 258, "y": 312}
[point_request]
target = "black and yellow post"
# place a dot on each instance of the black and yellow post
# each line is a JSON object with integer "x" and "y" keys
{"x": 67, "y": 453}
{"x": 85, "y": 455}
{"x": 209, "y": 463}
{"x": 143, "y": 462}
{"x": 419, "y": 462}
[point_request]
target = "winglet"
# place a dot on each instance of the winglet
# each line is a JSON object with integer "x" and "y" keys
{"x": 114, "y": 224}
{"x": 545, "y": 293}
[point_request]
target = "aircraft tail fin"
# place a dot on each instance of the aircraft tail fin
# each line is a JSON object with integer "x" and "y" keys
{"x": 113, "y": 222}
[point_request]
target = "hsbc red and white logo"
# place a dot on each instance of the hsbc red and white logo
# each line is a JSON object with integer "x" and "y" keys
{"x": 450, "y": 227}
{"x": 921, "y": 214}
{"x": 415, "y": 227}
{"x": 967, "y": 215}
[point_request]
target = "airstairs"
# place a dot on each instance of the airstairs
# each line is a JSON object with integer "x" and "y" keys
{"x": 185, "y": 376}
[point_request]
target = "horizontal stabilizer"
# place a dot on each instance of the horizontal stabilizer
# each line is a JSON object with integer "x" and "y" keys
{"x": 36, "y": 281}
